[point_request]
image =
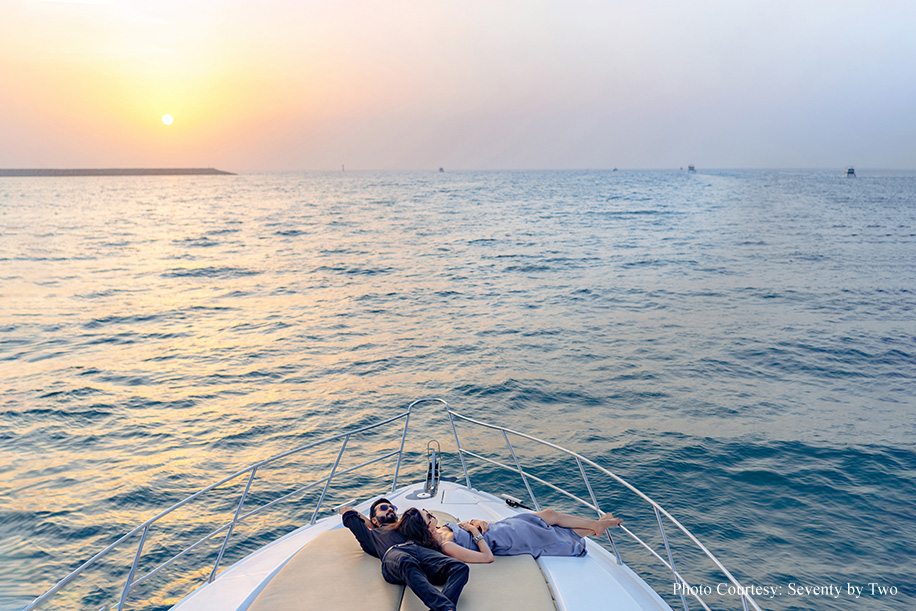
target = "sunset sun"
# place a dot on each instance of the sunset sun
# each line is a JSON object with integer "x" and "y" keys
{"x": 167, "y": 119}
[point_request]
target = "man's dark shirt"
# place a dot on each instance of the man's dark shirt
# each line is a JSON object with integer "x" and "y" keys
{"x": 374, "y": 541}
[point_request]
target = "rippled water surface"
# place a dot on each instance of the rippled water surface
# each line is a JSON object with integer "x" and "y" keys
{"x": 740, "y": 345}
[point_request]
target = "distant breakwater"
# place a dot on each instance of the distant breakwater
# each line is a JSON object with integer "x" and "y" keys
{"x": 117, "y": 172}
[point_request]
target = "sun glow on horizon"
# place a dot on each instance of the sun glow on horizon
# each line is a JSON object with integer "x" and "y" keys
{"x": 168, "y": 119}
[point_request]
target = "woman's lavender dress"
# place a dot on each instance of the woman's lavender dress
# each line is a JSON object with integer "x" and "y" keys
{"x": 525, "y": 533}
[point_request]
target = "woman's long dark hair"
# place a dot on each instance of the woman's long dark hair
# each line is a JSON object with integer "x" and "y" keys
{"x": 413, "y": 526}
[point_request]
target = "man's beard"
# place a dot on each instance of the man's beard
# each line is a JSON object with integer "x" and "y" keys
{"x": 386, "y": 518}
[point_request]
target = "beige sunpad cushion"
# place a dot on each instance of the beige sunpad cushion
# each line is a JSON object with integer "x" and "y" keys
{"x": 331, "y": 572}
{"x": 443, "y": 517}
{"x": 510, "y": 582}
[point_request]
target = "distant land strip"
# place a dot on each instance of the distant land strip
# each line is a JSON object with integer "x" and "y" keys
{"x": 117, "y": 172}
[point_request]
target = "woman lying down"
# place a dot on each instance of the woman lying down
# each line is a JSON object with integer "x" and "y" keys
{"x": 545, "y": 533}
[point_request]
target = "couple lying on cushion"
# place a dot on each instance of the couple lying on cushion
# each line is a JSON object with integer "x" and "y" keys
{"x": 415, "y": 550}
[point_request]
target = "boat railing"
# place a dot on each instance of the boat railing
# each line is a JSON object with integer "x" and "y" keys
{"x": 527, "y": 477}
{"x": 248, "y": 474}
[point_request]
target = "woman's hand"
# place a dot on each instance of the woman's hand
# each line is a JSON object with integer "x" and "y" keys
{"x": 482, "y": 526}
{"x": 470, "y": 527}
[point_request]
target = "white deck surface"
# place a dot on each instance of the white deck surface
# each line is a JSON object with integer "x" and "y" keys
{"x": 592, "y": 582}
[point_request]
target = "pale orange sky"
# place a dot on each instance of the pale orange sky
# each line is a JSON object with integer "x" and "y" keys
{"x": 418, "y": 84}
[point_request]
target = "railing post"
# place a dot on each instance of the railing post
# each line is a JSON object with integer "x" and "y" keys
{"x": 133, "y": 569}
{"x": 520, "y": 472}
{"x": 397, "y": 468}
{"x": 591, "y": 493}
{"x": 661, "y": 527}
{"x": 330, "y": 477}
{"x": 458, "y": 443}
{"x": 235, "y": 519}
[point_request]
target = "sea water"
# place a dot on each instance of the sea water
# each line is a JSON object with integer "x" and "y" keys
{"x": 741, "y": 345}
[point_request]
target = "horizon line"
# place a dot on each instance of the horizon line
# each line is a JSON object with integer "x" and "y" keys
{"x": 212, "y": 170}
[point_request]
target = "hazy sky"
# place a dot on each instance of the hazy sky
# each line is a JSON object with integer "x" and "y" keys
{"x": 306, "y": 84}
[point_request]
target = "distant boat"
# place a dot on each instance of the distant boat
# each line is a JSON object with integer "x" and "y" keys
{"x": 850, "y": 172}
{"x": 441, "y": 169}
{"x": 691, "y": 169}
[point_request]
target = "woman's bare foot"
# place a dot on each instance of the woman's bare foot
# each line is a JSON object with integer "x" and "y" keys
{"x": 605, "y": 522}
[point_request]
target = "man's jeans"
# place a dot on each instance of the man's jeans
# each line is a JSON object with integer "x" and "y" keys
{"x": 419, "y": 567}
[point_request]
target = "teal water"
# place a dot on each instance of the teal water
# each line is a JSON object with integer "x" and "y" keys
{"x": 741, "y": 345}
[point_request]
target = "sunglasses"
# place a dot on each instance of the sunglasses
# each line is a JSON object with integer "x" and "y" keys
{"x": 385, "y": 507}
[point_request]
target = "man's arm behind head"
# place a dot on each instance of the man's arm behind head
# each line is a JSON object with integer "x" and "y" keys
{"x": 344, "y": 510}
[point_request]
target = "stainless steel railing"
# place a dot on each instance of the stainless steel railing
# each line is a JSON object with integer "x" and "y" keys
{"x": 746, "y": 600}
{"x": 526, "y": 476}
{"x": 250, "y": 471}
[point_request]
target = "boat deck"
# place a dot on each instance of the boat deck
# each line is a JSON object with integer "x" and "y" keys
{"x": 322, "y": 567}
